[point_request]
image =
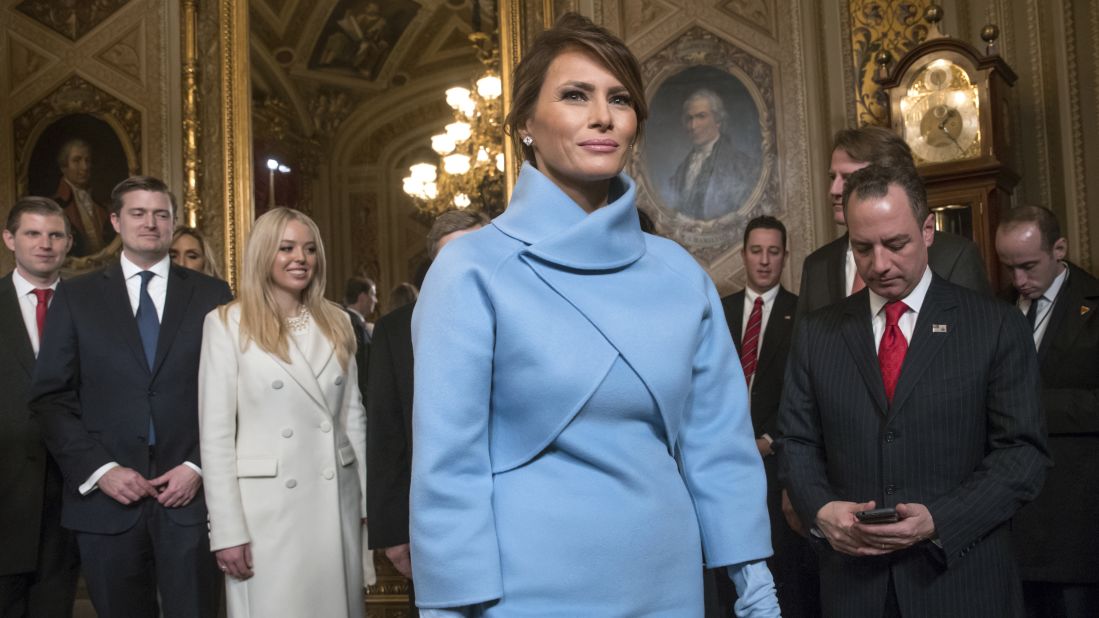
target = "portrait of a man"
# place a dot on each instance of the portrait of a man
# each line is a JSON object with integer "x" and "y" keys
{"x": 76, "y": 161}
{"x": 703, "y": 151}
{"x": 715, "y": 176}
{"x": 90, "y": 221}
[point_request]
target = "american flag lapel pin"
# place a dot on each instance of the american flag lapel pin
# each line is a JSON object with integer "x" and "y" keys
{"x": 1084, "y": 309}
{"x": 939, "y": 328}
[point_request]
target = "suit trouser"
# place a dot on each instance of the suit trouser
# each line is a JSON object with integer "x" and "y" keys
{"x": 48, "y": 591}
{"x": 124, "y": 571}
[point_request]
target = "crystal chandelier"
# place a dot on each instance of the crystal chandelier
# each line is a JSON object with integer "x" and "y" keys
{"x": 471, "y": 148}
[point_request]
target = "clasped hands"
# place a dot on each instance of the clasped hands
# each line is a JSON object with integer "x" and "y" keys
{"x": 175, "y": 488}
{"x": 843, "y": 531}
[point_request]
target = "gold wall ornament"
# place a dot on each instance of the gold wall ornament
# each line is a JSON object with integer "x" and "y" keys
{"x": 236, "y": 132}
{"x": 895, "y": 26}
{"x": 192, "y": 164}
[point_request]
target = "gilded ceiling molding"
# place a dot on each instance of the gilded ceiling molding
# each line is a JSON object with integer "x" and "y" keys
{"x": 893, "y": 25}
{"x": 1079, "y": 202}
{"x": 236, "y": 130}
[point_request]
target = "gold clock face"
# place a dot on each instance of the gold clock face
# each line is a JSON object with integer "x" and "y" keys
{"x": 941, "y": 114}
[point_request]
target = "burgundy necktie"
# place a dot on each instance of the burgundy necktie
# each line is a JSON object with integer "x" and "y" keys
{"x": 43, "y": 297}
{"x": 749, "y": 345}
{"x": 892, "y": 348}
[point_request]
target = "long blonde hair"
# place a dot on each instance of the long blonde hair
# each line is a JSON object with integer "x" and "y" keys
{"x": 260, "y": 318}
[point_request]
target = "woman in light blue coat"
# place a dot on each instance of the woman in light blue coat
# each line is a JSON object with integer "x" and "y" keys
{"x": 582, "y": 439}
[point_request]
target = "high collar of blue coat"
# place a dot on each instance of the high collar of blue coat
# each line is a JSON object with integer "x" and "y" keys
{"x": 559, "y": 231}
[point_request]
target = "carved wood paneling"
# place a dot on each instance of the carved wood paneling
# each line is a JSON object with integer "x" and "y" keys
{"x": 893, "y": 25}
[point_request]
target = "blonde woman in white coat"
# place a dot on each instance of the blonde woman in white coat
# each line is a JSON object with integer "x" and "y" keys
{"x": 283, "y": 433}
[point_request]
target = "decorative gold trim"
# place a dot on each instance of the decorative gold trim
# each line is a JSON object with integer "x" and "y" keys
{"x": 191, "y": 163}
{"x": 1080, "y": 186}
{"x": 511, "y": 50}
{"x": 236, "y": 129}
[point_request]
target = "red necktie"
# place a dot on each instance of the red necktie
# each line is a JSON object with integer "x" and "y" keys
{"x": 750, "y": 344}
{"x": 40, "y": 310}
{"x": 892, "y": 348}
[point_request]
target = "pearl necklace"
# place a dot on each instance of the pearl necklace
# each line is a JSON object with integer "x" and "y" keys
{"x": 299, "y": 323}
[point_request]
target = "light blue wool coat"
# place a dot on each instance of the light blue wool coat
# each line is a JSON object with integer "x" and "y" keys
{"x": 517, "y": 326}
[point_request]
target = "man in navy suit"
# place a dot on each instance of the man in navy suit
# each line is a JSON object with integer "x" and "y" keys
{"x": 1056, "y": 541}
{"x": 115, "y": 393}
{"x": 761, "y": 321}
{"x": 918, "y": 395}
{"x": 38, "y": 559}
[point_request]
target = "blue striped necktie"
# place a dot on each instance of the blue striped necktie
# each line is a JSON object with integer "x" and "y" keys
{"x": 148, "y": 325}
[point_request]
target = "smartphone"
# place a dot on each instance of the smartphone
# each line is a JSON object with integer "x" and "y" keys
{"x": 878, "y": 516}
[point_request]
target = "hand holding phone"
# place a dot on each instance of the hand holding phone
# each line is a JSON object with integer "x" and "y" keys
{"x": 878, "y": 516}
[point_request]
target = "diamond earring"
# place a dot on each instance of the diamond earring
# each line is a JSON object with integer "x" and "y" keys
{"x": 527, "y": 140}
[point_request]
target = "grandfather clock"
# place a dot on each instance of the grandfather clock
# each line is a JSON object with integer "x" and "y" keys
{"x": 951, "y": 104}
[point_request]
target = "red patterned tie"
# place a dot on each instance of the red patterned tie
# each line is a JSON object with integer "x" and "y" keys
{"x": 43, "y": 297}
{"x": 749, "y": 346}
{"x": 892, "y": 348}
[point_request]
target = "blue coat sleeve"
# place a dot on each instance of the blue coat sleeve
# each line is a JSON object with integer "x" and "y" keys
{"x": 455, "y": 556}
{"x": 717, "y": 451}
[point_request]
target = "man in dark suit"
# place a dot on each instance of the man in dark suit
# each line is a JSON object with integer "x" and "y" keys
{"x": 1056, "y": 541}
{"x": 38, "y": 563}
{"x": 828, "y": 274}
{"x": 360, "y": 297}
{"x": 919, "y": 395}
{"x": 716, "y": 177}
{"x": 389, "y": 409}
{"x": 761, "y": 321}
{"x": 115, "y": 394}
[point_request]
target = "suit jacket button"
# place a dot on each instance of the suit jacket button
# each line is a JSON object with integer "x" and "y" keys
{"x": 326, "y": 426}
{"x": 890, "y": 436}
{"x": 329, "y": 474}
{"x": 339, "y": 380}
{"x": 291, "y": 483}
{"x": 286, "y": 433}
{"x": 277, "y": 384}
{"x": 890, "y": 489}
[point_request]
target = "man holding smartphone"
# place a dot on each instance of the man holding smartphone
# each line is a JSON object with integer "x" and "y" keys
{"x": 918, "y": 395}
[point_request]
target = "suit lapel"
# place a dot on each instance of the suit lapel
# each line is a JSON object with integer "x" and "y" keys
{"x": 734, "y": 315}
{"x": 301, "y": 372}
{"x": 118, "y": 303}
{"x": 778, "y": 324}
{"x": 176, "y": 302}
{"x": 837, "y": 275}
{"x": 938, "y": 309}
{"x": 858, "y": 334}
{"x": 11, "y": 323}
{"x": 1066, "y": 319}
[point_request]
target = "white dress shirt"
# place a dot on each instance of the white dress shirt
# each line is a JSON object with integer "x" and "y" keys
{"x": 907, "y": 321}
{"x": 158, "y": 291}
{"x": 1045, "y": 306}
{"x": 849, "y": 271}
{"x": 698, "y": 157}
{"x": 28, "y": 306}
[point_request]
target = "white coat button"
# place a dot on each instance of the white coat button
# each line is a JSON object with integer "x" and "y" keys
{"x": 329, "y": 474}
{"x": 287, "y": 432}
{"x": 277, "y": 384}
{"x": 339, "y": 380}
{"x": 290, "y": 484}
{"x": 326, "y": 426}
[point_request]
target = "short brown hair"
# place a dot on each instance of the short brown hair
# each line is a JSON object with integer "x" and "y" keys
{"x": 357, "y": 286}
{"x": 140, "y": 183}
{"x": 35, "y": 205}
{"x": 1048, "y": 226}
{"x": 874, "y": 145}
{"x": 571, "y": 32}
{"x": 765, "y": 222}
{"x": 874, "y": 180}
{"x": 453, "y": 221}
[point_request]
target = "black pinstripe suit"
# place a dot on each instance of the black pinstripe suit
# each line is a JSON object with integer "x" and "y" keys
{"x": 963, "y": 437}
